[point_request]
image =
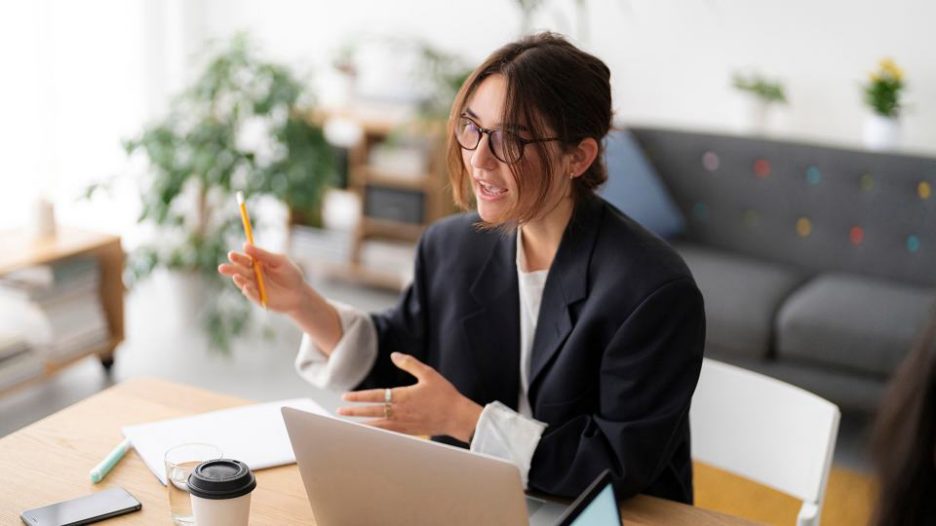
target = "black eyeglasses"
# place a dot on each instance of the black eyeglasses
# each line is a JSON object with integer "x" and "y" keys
{"x": 507, "y": 147}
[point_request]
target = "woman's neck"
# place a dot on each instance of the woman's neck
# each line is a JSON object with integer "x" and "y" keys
{"x": 541, "y": 236}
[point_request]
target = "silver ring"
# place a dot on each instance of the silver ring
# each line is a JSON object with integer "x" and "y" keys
{"x": 388, "y": 396}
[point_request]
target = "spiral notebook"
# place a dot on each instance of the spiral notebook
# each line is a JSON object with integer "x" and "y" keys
{"x": 254, "y": 434}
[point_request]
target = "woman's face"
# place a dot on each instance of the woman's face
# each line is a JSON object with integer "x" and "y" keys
{"x": 493, "y": 184}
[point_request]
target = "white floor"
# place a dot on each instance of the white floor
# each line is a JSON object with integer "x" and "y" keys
{"x": 162, "y": 343}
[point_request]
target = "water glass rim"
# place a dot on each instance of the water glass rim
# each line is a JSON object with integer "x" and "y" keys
{"x": 193, "y": 445}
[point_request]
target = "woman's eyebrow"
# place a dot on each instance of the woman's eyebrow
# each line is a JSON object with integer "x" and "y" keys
{"x": 474, "y": 115}
{"x": 471, "y": 113}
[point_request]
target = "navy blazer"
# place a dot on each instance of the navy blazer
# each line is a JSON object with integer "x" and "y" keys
{"x": 615, "y": 358}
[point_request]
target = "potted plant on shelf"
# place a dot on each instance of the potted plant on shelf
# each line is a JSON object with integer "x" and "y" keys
{"x": 882, "y": 94}
{"x": 763, "y": 95}
{"x": 239, "y": 126}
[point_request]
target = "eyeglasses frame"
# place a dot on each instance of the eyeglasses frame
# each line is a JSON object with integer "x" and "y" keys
{"x": 489, "y": 131}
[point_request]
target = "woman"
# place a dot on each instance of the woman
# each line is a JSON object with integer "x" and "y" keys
{"x": 904, "y": 439}
{"x": 547, "y": 327}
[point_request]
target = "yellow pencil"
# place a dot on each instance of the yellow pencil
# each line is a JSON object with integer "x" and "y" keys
{"x": 249, "y": 232}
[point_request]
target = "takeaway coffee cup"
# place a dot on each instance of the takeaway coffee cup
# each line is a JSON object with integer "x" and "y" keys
{"x": 220, "y": 491}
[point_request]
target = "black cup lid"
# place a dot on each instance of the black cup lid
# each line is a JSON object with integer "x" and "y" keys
{"x": 221, "y": 478}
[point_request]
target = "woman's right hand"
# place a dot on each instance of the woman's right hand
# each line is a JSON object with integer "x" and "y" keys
{"x": 282, "y": 279}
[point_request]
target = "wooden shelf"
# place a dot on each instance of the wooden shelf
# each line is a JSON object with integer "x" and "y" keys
{"x": 430, "y": 186}
{"x": 371, "y": 228}
{"x": 19, "y": 250}
{"x": 375, "y": 176}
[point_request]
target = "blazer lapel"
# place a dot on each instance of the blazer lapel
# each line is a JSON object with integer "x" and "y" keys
{"x": 566, "y": 284}
{"x": 493, "y": 331}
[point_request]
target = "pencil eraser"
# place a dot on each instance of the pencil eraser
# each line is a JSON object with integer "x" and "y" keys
{"x": 240, "y": 198}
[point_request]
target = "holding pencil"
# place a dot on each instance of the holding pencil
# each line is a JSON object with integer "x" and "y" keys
{"x": 248, "y": 231}
{"x": 273, "y": 280}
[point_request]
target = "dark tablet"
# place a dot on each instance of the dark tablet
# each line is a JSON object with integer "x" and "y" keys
{"x": 596, "y": 506}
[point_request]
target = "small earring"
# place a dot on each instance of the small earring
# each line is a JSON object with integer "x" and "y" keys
{"x": 572, "y": 175}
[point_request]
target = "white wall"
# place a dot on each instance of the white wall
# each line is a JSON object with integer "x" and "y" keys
{"x": 80, "y": 76}
{"x": 671, "y": 60}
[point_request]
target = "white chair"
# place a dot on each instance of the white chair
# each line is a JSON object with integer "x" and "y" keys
{"x": 765, "y": 430}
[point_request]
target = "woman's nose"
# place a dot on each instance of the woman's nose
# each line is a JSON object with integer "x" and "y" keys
{"x": 482, "y": 156}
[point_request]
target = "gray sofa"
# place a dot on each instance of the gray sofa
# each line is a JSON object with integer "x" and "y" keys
{"x": 817, "y": 264}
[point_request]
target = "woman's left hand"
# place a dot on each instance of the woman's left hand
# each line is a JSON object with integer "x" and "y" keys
{"x": 430, "y": 407}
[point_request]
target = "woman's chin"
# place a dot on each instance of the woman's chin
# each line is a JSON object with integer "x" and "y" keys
{"x": 492, "y": 213}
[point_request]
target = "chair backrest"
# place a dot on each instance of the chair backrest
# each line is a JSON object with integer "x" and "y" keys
{"x": 765, "y": 430}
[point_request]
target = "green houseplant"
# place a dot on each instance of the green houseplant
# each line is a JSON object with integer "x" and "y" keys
{"x": 239, "y": 126}
{"x": 882, "y": 95}
{"x": 769, "y": 91}
{"x": 763, "y": 94}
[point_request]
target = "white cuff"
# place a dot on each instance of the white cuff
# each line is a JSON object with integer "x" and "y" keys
{"x": 350, "y": 361}
{"x": 502, "y": 432}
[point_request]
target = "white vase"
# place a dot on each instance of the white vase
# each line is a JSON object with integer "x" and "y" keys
{"x": 881, "y": 133}
{"x": 43, "y": 219}
{"x": 757, "y": 115}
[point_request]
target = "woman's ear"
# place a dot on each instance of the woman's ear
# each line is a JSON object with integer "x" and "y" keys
{"x": 583, "y": 156}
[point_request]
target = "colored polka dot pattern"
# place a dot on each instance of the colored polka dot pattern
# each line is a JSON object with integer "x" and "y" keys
{"x": 762, "y": 168}
{"x": 710, "y": 161}
{"x": 924, "y": 190}
{"x": 856, "y": 235}
{"x": 803, "y": 227}
{"x": 813, "y": 175}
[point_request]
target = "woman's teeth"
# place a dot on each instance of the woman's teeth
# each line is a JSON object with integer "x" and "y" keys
{"x": 491, "y": 189}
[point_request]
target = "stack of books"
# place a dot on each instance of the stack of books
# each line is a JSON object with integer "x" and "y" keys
{"x": 68, "y": 296}
{"x": 309, "y": 245}
{"x": 18, "y": 361}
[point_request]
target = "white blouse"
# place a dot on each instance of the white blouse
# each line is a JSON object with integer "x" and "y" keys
{"x": 501, "y": 431}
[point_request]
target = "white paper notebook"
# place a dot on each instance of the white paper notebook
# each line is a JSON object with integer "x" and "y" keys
{"x": 254, "y": 434}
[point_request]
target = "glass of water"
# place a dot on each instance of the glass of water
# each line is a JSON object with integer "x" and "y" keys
{"x": 180, "y": 461}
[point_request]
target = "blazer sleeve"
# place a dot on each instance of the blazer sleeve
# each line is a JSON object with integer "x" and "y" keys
{"x": 402, "y": 328}
{"x": 648, "y": 373}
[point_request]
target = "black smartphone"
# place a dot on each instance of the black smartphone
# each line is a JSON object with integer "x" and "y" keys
{"x": 83, "y": 510}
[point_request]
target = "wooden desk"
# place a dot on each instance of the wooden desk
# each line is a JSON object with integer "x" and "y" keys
{"x": 49, "y": 461}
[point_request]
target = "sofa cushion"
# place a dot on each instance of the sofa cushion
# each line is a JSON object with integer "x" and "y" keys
{"x": 741, "y": 297}
{"x": 852, "y": 322}
{"x": 635, "y": 189}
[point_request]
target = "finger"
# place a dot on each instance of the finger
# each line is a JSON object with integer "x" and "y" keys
{"x": 248, "y": 289}
{"x": 368, "y": 395}
{"x": 243, "y": 281}
{"x": 411, "y": 365}
{"x": 268, "y": 259}
{"x": 252, "y": 295}
{"x": 230, "y": 270}
{"x": 373, "y": 411}
{"x": 241, "y": 259}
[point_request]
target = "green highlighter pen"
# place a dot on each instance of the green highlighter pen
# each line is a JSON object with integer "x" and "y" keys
{"x": 101, "y": 470}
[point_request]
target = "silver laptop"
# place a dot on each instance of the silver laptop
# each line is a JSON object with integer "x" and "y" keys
{"x": 357, "y": 474}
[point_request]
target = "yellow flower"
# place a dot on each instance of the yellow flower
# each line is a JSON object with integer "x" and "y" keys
{"x": 889, "y": 68}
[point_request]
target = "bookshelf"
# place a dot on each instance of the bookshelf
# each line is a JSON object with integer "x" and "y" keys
{"x": 400, "y": 195}
{"x": 19, "y": 249}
